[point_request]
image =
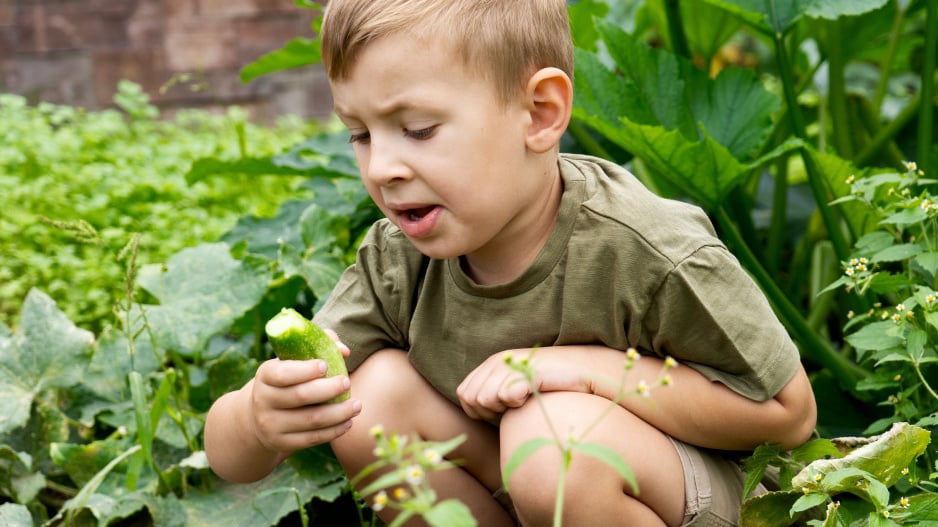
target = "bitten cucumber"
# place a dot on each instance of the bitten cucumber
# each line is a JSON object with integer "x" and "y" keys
{"x": 294, "y": 337}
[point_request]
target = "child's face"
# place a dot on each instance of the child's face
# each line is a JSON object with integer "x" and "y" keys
{"x": 442, "y": 157}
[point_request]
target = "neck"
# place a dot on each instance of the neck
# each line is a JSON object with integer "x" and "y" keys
{"x": 513, "y": 253}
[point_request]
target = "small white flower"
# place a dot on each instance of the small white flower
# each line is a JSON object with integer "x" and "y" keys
{"x": 413, "y": 475}
{"x": 381, "y": 500}
{"x": 432, "y": 456}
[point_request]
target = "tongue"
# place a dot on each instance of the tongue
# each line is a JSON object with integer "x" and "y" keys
{"x": 416, "y": 214}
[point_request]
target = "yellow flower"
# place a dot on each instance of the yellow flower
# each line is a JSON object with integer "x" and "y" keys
{"x": 401, "y": 494}
{"x": 904, "y": 502}
{"x": 632, "y": 354}
{"x": 381, "y": 500}
{"x": 667, "y": 380}
{"x": 911, "y": 165}
{"x": 643, "y": 389}
{"x": 670, "y": 363}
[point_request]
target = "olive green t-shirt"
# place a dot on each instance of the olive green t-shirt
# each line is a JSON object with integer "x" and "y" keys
{"x": 622, "y": 267}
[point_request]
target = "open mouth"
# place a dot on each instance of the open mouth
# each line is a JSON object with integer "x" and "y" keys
{"x": 418, "y": 213}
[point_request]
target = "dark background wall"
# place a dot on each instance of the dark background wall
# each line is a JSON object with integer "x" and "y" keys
{"x": 75, "y": 51}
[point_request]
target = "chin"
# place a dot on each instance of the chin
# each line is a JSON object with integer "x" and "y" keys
{"x": 437, "y": 251}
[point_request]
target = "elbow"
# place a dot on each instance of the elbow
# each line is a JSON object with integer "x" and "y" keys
{"x": 800, "y": 412}
{"x": 799, "y": 428}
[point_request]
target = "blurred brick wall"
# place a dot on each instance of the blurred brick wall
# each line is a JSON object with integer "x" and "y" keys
{"x": 75, "y": 51}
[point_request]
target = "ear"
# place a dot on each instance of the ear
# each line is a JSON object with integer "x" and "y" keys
{"x": 549, "y": 98}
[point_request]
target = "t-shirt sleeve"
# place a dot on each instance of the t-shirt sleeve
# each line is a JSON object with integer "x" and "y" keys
{"x": 365, "y": 308}
{"x": 710, "y": 315}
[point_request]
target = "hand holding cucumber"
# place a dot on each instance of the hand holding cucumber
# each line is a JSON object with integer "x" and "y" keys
{"x": 292, "y": 395}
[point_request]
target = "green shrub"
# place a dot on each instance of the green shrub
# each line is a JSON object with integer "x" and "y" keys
{"x": 119, "y": 172}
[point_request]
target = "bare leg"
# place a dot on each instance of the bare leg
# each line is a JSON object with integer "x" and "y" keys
{"x": 395, "y": 396}
{"x": 595, "y": 493}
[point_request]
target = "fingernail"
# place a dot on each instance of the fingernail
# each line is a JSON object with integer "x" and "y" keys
{"x": 357, "y": 406}
{"x": 346, "y": 383}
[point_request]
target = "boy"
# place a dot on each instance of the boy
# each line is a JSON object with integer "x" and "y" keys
{"x": 494, "y": 243}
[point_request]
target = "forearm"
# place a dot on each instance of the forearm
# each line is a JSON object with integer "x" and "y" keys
{"x": 706, "y": 413}
{"x": 232, "y": 448}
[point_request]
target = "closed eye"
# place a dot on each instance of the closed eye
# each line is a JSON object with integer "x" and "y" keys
{"x": 363, "y": 137}
{"x": 421, "y": 134}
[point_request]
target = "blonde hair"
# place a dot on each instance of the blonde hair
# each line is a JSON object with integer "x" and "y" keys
{"x": 504, "y": 40}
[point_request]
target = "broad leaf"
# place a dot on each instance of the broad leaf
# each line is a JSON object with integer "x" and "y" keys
{"x": 15, "y": 515}
{"x": 46, "y": 351}
{"x": 693, "y": 131}
{"x": 230, "y": 504}
{"x": 769, "y": 510}
{"x": 450, "y": 513}
{"x": 778, "y": 16}
{"x": 883, "y": 456}
{"x": 875, "y": 336}
{"x": 202, "y": 291}
{"x": 294, "y": 54}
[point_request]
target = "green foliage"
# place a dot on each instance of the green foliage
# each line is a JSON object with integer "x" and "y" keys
{"x": 788, "y": 125}
{"x": 847, "y": 481}
{"x": 96, "y": 177}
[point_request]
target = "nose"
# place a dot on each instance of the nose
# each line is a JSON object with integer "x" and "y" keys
{"x": 386, "y": 164}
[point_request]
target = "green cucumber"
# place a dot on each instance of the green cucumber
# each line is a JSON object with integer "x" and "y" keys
{"x": 293, "y": 337}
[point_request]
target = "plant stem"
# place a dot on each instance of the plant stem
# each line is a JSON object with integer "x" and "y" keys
{"x": 885, "y": 68}
{"x": 679, "y": 45}
{"x": 837, "y": 95}
{"x": 561, "y": 486}
{"x": 845, "y": 371}
{"x": 888, "y": 132}
{"x": 926, "y": 118}
{"x": 818, "y": 188}
{"x": 776, "y": 235}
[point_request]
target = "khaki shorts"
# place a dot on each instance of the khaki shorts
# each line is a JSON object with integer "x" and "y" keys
{"x": 713, "y": 488}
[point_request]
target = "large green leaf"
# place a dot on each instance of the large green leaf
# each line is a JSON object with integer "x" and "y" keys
{"x": 258, "y": 503}
{"x": 294, "y": 54}
{"x": 773, "y": 17}
{"x": 882, "y": 456}
{"x": 734, "y": 108}
{"x": 15, "y": 515}
{"x": 46, "y": 351}
{"x": 649, "y": 81}
{"x": 202, "y": 291}
{"x": 695, "y": 132}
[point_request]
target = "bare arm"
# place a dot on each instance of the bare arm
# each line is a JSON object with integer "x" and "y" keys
{"x": 693, "y": 409}
{"x": 702, "y": 412}
{"x": 248, "y": 432}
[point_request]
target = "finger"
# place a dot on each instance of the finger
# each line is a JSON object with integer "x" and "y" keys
{"x": 282, "y": 373}
{"x": 318, "y": 391}
{"x": 514, "y": 393}
{"x": 285, "y": 430}
{"x": 309, "y": 438}
{"x": 310, "y": 418}
{"x": 309, "y": 393}
{"x": 342, "y": 347}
